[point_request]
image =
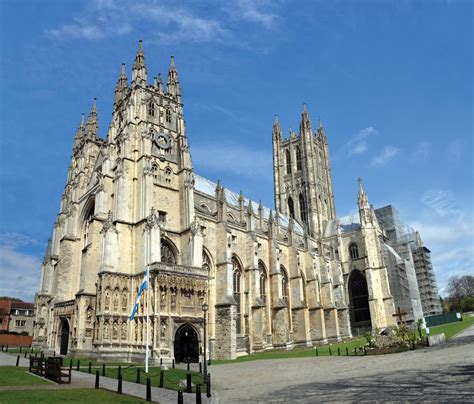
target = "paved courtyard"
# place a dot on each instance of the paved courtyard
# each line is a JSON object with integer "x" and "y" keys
{"x": 443, "y": 373}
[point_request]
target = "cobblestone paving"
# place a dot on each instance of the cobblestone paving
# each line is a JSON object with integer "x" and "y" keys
{"x": 437, "y": 374}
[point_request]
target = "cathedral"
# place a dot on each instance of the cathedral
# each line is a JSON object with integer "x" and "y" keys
{"x": 290, "y": 276}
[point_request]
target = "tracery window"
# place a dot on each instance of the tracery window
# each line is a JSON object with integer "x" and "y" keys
{"x": 87, "y": 223}
{"x": 303, "y": 287}
{"x": 299, "y": 162}
{"x": 151, "y": 108}
{"x": 291, "y": 207}
{"x": 237, "y": 274}
{"x": 262, "y": 279}
{"x": 168, "y": 115}
{"x": 167, "y": 253}
{"x": 288, "y": 162}
{"x": 353, "y": 251}
{"x": 206, "y": 262}
{"x": 303, "y": 209}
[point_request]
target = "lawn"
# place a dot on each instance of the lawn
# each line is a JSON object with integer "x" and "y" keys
{"x": 451, "y": 329}
{"x": 18, "y": 376}
{"x": 67, "y": 395}
{"x": 323, "y": 350}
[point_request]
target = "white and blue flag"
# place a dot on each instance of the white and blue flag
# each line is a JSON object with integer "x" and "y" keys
{"x": 143, "y": 286}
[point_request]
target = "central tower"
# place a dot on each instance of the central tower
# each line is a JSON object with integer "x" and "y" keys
{"x": 302, "y": 176}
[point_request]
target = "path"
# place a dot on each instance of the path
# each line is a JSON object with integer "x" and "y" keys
{"x": 86, "y": 380}
{"x": 442, "y": 373}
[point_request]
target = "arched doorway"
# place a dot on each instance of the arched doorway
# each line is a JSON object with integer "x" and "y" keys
{"x": 359, "y": 299}
{"x": 186, "y": 344}
{"x": 64, "y": 337}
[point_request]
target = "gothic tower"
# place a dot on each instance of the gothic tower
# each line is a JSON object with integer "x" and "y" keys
{"x": 302, "y": 175}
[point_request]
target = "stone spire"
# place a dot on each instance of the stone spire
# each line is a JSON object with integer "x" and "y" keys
{"x": 172, "y": 84}
{"x": 139, "y": 74}
{"x": 321, "y": 132}
{"x": 79, "y": 132}
{"x": 365, "y": 210}
{"x": 276, "y": 129}
{"x": 121, "y": 86}
{"x": 92, "y": 124}
{"x": 160, "y": 84}
{"x": 305, "y": 124}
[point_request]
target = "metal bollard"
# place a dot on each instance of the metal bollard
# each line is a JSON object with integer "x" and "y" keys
{"x": 161, "y": 361}
{"x": 198, "y": 394}
{"x": 330, "y": 352}
{"x": 365, "y": 350}
{"x": 2, "y": 348}
{"x": 148, "y": 389}
{"x": 17, "y": 360}
{"x": 6, "y": 349}
{"x": 96, "y": 379}
{"x": 20, "y": 350}
{"x": 347, "y": 351}
{"x": 189, "y": 387}
{"x": 138, "y": 376}
{"x": 31, "y": 349}
{"x": 162, "y": 378}
{"x": 317, "y": 352}
{"x": 173, "y": 363}
{"x": 103, "y": 369}
{"x": 90, "y": 367}
{"x": 54, "y": 353}
{"x": 25, "y": 353}
{"x": 36, "y": 354}
{"x": 200, "y": 367}
{"x": 119, "y": 386}
{"x": 180, "y": 397}
{"x": 208, "y": 394}
{"x": 78, "y": 364}
{"x": 70, "y": 363}
{"x": 338, "y": 351}
{"x": 188, "y": 365}
{"x": 119, "y": 372}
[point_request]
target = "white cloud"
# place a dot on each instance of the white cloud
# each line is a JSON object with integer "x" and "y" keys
{"x": 388, "y": 153}
{"x": 358, "y": 143}
{"x": 421, "y": 153}
{"x": 252, "y": 10}
{"x": 441, "y": 201}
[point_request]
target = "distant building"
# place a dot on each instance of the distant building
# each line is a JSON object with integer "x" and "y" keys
{"x": 17, "y": 316}
{"x": 5, "y": 306}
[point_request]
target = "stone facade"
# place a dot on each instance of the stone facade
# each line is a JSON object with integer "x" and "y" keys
{"x": 272, "y": 279}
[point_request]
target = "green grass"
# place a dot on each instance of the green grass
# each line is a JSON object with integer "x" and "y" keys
{"x": 451, "y": 329}
{"x": 69, "y": 396}
{"x": 323, "y": 350}
{"x": 172, "y": 377}
{"x": 18, "y": 376}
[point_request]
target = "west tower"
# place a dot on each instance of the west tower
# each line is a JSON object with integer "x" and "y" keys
{"x": 302, "y": 175}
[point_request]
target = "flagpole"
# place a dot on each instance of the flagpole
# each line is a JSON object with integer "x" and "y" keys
{"x": 147, "y": 314}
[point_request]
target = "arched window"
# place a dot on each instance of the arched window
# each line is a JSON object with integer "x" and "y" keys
{"x": 151, "y": 108}
{"x": 262, "y": 280}
{"x": 206, "y": 262}
{"x": 291, "y": 207}
{"x": 288, "y": 162}
{"x": 168, "y": 115}
{"x": 303, "y": 209}
{"x": 299, "y": 163}
{"x": 353, "y": 251}
{"x": 237, "y": 274}
{"x": 284, "y": 283}
{"x": 87, "y": 222}
{"x": 167, "y": 253}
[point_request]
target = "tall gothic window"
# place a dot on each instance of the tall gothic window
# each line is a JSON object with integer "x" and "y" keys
{"x": 237, "y": 275}
{"x": 303, "y": 209}
{"x": 168, "y": 115}
{"x": 87, "y": 223}
{"x": 353, "y": 251}
{"x": 284, "y": 283}
{"x": 167, "y": 253}
{"x": 151, "y": 108}
{"x": 303, "y": 287}
{"x": 206, "y": 262}
{"x": 262, "y": 279}
{"x": 288, "y": 162}
{"x": 291, "y": 207}
{"x": 299, "y": 163}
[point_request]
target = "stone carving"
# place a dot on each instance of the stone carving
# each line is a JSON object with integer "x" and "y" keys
{"x": 115, "y": 330}
{"x": 195, "y": 227}
{"x": 123, "y": 335}
{"x": 108, "y": 225}
{"x": 106, "y": 330}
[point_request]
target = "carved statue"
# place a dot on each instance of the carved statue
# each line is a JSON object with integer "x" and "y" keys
{"x": 106, "y": 330}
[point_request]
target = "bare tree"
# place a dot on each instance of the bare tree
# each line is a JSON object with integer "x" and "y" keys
{"x": 459, "y": 288}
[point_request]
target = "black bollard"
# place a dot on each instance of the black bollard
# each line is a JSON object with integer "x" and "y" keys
{"x": 18, "y": 360}
{"x": 31, "y": 349}
{"x": 365, "y": 350}
{"x": 78, "y": 364}
{"x": 138, "y": 376}
{"x": 317, "y": 352}
{"x": 200, "y": 367}
{"x": 198, "y": 394}
{"x": 161, "y": 361}
{"x": 6, "y": 349}
{"x": 189, "y": 387}
{"x": 188, "y": 365}
{"x": 180, "y": 397}
{"x": 103, "y": 369}
{"x": 413, "y": 344}
{"x": 148, "y": 389}
{"x": 119, "y": 372}
{"x": 347, "y": 351}
{"x": 36, "y": 354}
{"x": 96, "y": 379}
{"x": 70, "y": 364}
{"x": 208, "y": 394}
{"x": 20, "y": 350}
{"x": 2, "y": 348}
{"x": 119, "y": 386}
{"x": 90, "y": 367}
{"x": 162, "y": 378}
{"x": 330, "y": 352}
{"x": 54, "y": 353}
{"x": 338, "y": 351}
{"x": 173, "y": 363}
{"x": 25, "y": 353}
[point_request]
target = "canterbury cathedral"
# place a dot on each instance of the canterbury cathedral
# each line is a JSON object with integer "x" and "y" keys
{"x": 294, "y": 275}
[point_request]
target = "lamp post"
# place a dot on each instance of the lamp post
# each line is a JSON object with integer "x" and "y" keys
{"x": 205, "y": 307}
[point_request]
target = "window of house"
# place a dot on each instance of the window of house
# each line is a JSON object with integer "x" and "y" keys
{"x": 353, "y": 251}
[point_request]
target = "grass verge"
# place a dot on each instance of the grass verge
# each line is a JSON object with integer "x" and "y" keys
{"x": 451, "y": 329}
{"x": 18, "y": 376}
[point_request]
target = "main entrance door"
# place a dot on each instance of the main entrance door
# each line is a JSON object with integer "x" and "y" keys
{"x": 359, "y": 297}
{"x": 64, "y": 337}
{"x": 186, "y": 344}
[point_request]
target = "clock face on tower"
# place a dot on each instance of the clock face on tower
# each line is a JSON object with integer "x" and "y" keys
{"x": 162, "y": 140}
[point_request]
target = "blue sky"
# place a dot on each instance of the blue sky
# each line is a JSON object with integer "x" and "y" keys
{"x": 390, "y": 80}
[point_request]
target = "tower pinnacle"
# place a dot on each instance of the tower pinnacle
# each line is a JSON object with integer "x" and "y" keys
{"x": 139, "y": 74}
{"x": 172, "y": 84}
{"x": 92, "y": 124}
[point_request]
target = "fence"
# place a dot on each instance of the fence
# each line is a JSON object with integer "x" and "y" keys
{"x": 13, "y": 340}
{"x": 439, "y": 319}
